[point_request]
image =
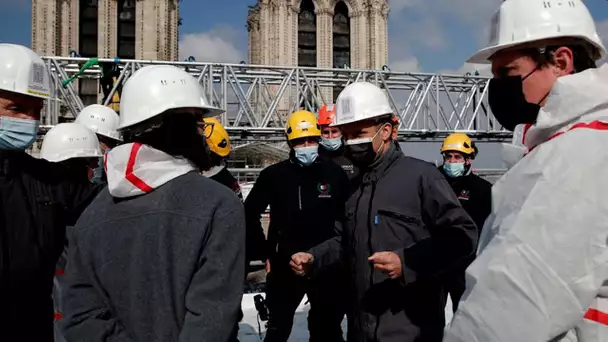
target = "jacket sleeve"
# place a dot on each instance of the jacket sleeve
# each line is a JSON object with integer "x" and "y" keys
{"x": 87, "y": 318}
{"x": 214, "y": 297}
{"x": 546, "y": 260}
{"x": 483, "y": 205}
{"x": 256, "y": 203}
{"x": 330, "y": 251}
{"x": 453, "y": 235}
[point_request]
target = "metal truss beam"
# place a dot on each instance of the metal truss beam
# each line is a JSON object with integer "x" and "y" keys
{"x": 258, "y": 98}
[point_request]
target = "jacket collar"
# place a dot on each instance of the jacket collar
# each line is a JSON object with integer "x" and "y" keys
{"x": 381, "y": 166}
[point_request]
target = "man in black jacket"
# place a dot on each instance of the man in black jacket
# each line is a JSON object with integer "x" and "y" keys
{"x": 473, "y": 192}
{"x": 38, "y": 199}
{"x": 403, "y": 228}
{"x": 306, "y": 195}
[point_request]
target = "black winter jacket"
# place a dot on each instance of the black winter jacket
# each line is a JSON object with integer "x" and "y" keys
{"x": 403, "y": 205}
{"x": 339, "y": 158}
{"x": 474, "y": 194}
{"x": 38, "y": 199}
{"x": 304, "y": 204}
{"x": 223, "y": 176}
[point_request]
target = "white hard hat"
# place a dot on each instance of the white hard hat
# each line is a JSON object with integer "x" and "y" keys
{"x": 361, "y": 101}
{"x": 522, "y": 21}
{"x": 101, "y": 120}
{"x": 23, "y": 71}
{"x": 154, "y": 89}
{"x": 69, "y": 140}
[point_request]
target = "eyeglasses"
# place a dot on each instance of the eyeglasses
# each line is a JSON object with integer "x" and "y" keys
{"x": 207, "y": 129}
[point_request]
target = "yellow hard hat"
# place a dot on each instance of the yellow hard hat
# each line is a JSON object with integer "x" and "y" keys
{"x": 217, "y": 137}
{"x": 302, "y": 124}
{"x": 458, "y": 142}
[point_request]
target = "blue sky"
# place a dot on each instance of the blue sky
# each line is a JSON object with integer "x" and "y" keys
{"x": 215, "y": 30}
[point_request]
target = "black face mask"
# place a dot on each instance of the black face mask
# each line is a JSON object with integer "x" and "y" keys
{"x": 508, "y": 103}
{"x": 361, "y": 154}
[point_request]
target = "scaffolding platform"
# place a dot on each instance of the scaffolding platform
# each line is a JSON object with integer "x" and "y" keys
{"x": 257, "y": 98}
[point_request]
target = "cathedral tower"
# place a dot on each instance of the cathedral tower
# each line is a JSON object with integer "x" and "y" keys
{"x": 319, "y": 33}
{"x": 127, "y": 29}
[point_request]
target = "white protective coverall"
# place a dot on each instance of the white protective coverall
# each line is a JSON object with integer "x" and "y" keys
{"x": 542, "y": 271}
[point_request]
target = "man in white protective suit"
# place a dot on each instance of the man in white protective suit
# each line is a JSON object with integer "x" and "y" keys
{"x": 542, "y": 270}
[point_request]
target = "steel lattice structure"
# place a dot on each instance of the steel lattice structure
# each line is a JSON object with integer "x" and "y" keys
{"x": 257, "y": 98}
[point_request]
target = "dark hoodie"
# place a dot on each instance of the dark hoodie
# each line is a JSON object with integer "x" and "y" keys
{"x": 158, "y": 256}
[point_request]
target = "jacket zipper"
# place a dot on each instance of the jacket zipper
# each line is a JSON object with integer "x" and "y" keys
{"x": 300, "y": 196}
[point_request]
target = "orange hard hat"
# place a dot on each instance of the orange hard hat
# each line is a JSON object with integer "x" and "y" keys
{"x": 326, "y": 114}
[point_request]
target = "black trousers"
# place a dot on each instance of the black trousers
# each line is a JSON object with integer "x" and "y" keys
{"x": 455, "y": 285}
{"x": 284, "y": 293}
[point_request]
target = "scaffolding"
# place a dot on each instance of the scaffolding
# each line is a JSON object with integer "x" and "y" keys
{"x": 258, "y": 98}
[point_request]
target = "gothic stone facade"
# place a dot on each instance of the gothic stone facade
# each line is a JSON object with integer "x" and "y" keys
{"x": 151, "y": 28}
{"x": 273, "y": 32}
{"x": 318, "y": 33}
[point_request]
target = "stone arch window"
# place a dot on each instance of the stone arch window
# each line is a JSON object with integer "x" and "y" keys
{"x": 341, "y": 36}
{"x": 307, "y": 34}
{"x": 126, "y": 29}
{"x": 341, "y": 41}
{"x": 87, "y": 46}
{"x": 88, "y": 28}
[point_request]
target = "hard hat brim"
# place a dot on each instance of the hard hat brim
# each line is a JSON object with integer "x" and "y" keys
{"x": 44, "y": 97}
{"x": 484, "y": 55}
{"x": 212, "y": 111}
{"x": 346, "y": 122}
{"x": 207, "y": 113}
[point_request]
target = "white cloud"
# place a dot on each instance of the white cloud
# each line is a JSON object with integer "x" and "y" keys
{"x": 482, "y": 69}
{"x": 418, "y": 25}
{"x": 408, "y": 64}
{"x": 216, "y": 45}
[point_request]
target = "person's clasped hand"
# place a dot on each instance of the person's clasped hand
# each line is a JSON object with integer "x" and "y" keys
{"x": 387, "y": 262}
{"x": 301, "y": 262}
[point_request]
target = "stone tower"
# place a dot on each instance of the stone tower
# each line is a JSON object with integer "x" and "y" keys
{"x": 319, "y": 33}
{"x": 322, "y": 33}
{"x": 127, "y": 29}
{"x": 130, "y": 29}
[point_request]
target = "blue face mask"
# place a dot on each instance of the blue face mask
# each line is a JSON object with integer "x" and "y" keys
{"x": 98, "y": 173}
{"x": 332, "y": 144}
{"x": 454, "y": 169}
{"x": 17, "y": 134}
{"x": 307, "y": 155}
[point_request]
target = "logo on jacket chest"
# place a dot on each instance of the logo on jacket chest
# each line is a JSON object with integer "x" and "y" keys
{"x": 324, "y": 190}
{"x": 348, "y": 168}
{"x": 464, "y": 195}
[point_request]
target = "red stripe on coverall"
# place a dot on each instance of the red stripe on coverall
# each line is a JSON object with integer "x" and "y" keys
{"x": 597, "y": 316}
{"x": 130, "y": 176}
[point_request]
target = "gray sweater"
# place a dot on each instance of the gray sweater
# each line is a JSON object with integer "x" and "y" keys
{"x": 165, "y": 266}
